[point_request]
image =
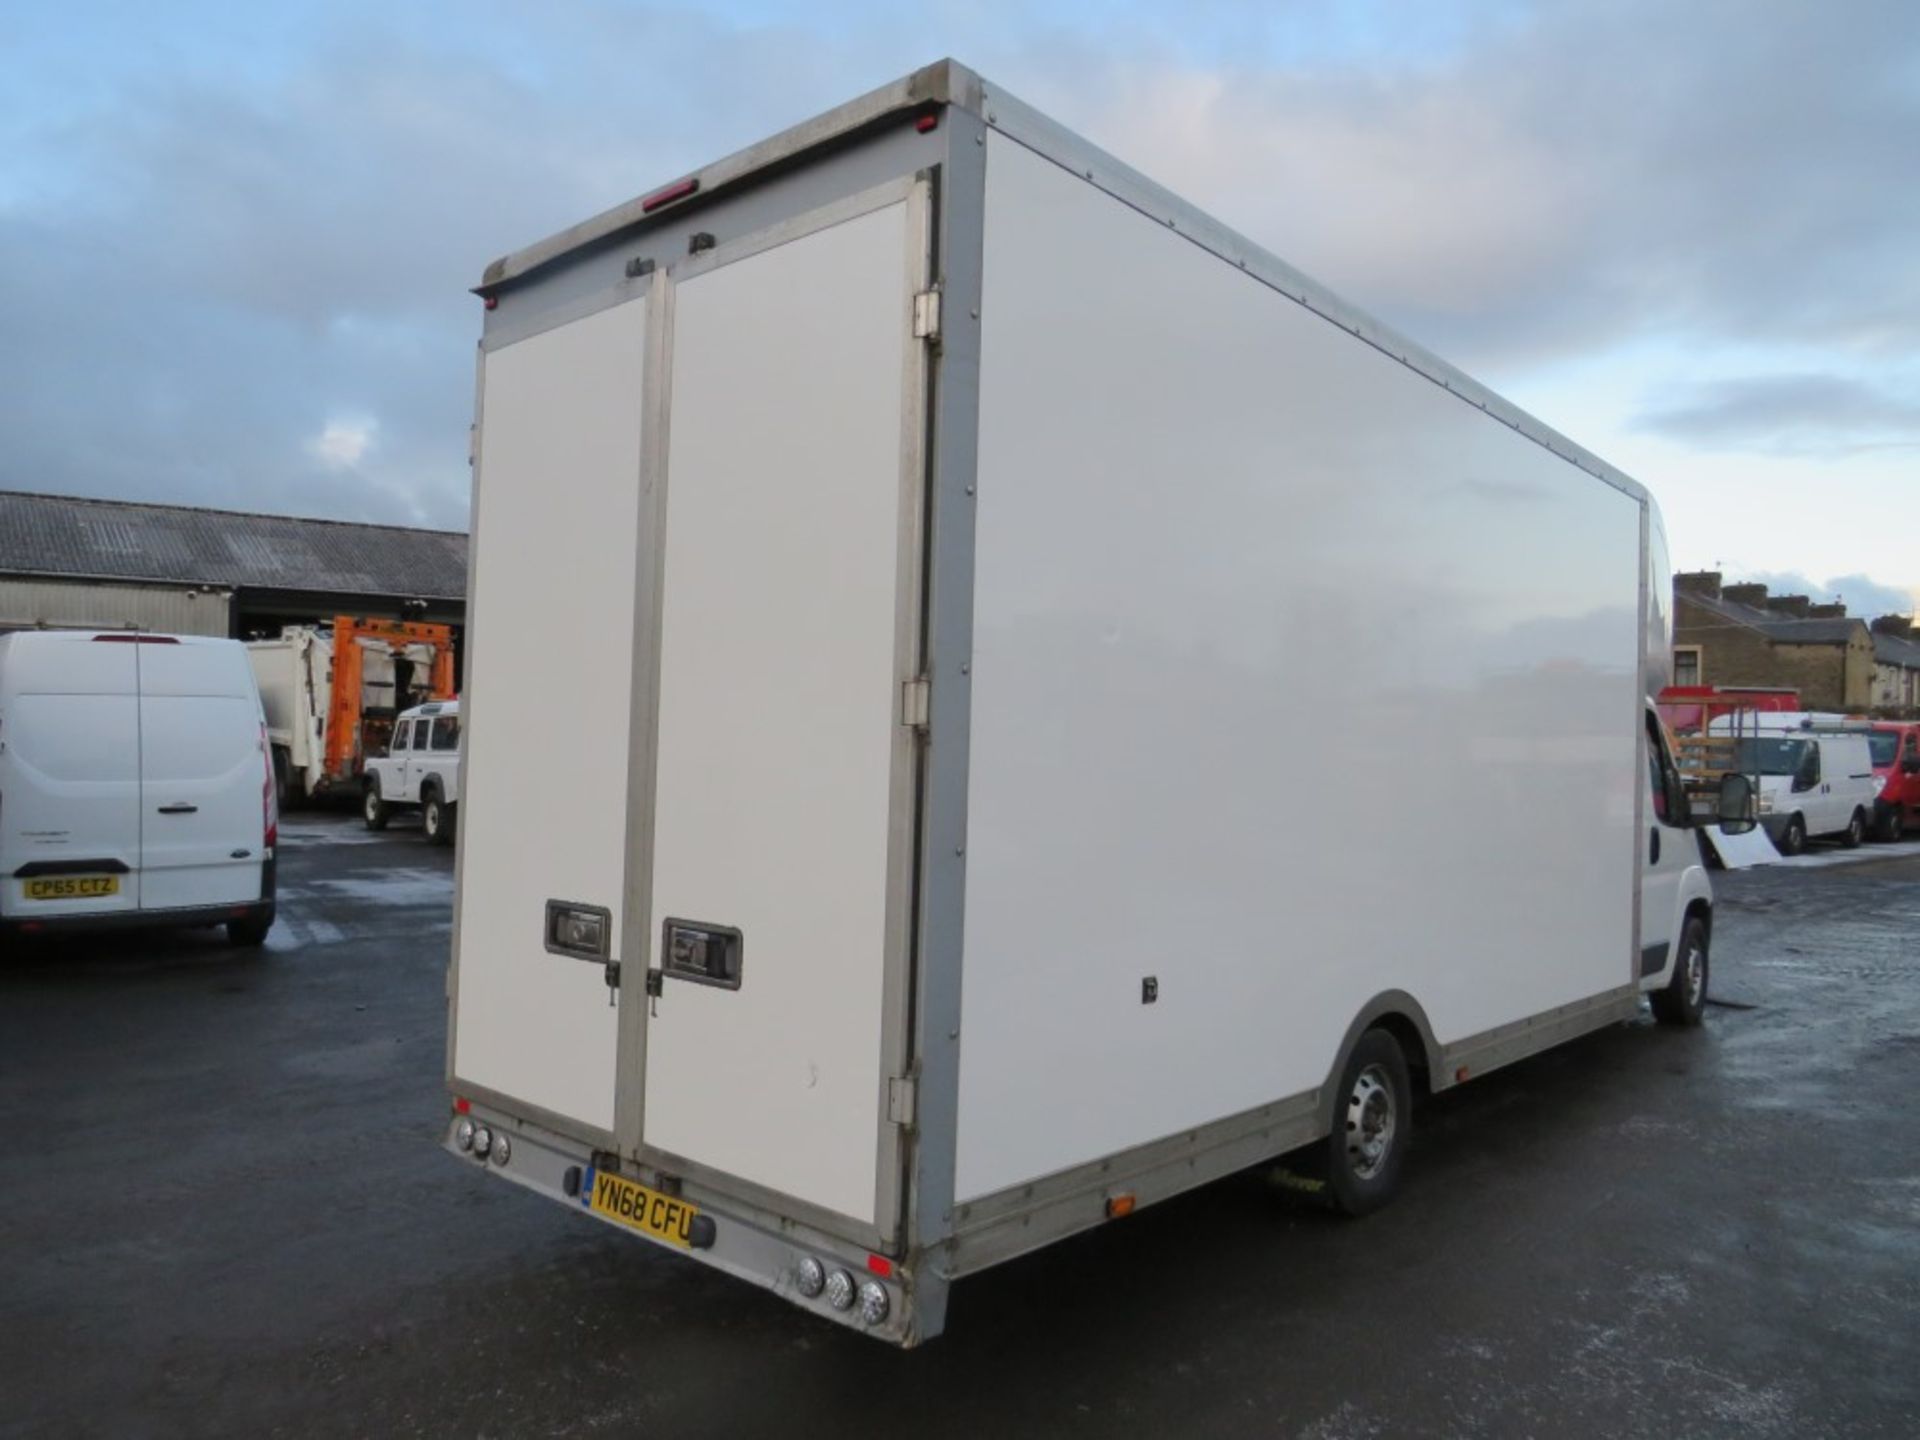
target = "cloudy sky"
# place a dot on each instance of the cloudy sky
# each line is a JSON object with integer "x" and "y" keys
{"x": 235, "y": 242}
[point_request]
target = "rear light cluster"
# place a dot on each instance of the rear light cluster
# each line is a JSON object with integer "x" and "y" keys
{"x": 269, "y": 809}
{"x": 480, "y": 1141}
{"x": 813, "y": 1279}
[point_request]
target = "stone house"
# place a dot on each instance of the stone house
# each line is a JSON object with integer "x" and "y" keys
{"x": 1741, "y": 635}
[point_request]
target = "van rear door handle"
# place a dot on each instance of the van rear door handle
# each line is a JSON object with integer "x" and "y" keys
{"x": 181, "y": 809}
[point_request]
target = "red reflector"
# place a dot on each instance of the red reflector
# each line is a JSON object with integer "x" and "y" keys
{"x": 677, "y": 191}
{"x": 461, "y": 1105}
{"x": 880, "y": 1265}
{"x": 927, "y": 122}
{"x": 30, "y": 925}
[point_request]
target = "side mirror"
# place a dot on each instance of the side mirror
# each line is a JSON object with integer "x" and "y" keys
{"x": 1735, "y": 806}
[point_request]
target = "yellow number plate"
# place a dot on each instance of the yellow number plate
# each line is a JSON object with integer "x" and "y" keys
{"x": 648, "y": 1211}
{"x": 71, "y": 887}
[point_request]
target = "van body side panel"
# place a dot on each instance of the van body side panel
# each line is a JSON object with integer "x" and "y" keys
{"x": 1297, "y": 679}
{"x": 546, "y": 709}
{"x": 69, "y": 769}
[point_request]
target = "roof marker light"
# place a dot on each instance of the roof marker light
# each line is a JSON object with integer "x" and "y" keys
{"x": 492, "y": 302}
{"x": 679, "y": 190}
{"x": 880, "y": 1265}
{"x": 927, "y": 122}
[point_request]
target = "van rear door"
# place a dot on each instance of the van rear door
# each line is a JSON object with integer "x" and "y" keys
{"x": 204, "y": 776}
{"x": 69, "y": 777}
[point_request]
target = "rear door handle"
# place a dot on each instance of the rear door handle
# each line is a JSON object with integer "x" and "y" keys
{"x": 180, "y": 809}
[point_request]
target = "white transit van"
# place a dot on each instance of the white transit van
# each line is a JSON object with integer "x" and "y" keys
{"x": 912, "y": 861}
{"x": 1812, "y": 783}
{"x": 421, "y": 769}
{"x": 135, "y": 784}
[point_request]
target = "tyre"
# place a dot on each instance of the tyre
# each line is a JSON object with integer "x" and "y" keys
{"x": 249, "y": 934}
{"x": 1891, "y": 824}
{"x": 1856, "y": 830}
{"x": 1372, "y": 1123}
{"x": 279, "y": 779}
{"x": 436, "y": 818}
{"x": 1683, "y": 999}
{"x": 375, "y": 811}
{"x": 1793, "y": 839}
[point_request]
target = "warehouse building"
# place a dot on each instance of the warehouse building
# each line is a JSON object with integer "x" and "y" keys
{"x": 114, "y": 564}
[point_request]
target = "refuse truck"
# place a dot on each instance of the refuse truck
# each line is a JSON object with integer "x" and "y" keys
{"x": 949, "y": 546}
{"x": 331, "y": 694}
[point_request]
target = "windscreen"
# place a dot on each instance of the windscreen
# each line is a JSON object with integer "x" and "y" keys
{"x": 1885, "y": 745}
{"x": 1770, "y": 756}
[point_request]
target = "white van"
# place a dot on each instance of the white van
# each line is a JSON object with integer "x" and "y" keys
{"x": 135, "y": 784}
{"x": 1811, "y": 783}
{"x": 421, "y": 767}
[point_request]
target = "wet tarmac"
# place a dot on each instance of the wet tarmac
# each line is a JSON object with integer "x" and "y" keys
{"x": 223, "y": 1211}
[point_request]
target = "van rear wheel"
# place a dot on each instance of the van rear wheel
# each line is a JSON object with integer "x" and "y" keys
{"x": 1856, "y": 830}
{"x": 373, "y": 809}
{"x": 248, "y": 934}
{"x": 1372, "y": 1123}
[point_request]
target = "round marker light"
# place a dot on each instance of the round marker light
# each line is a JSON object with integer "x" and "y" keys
{"x": 502, "y": 1149}
{"x": 840, "y": 1290}
{"x": 482, "y": 1141}
{"x": 463, "y": 1133}
{"x": 873, "y": 1302}
{"x": 810, "y": 1277}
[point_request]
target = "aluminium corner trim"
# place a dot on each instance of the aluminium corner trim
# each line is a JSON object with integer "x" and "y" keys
{"x": 475, "y": 448}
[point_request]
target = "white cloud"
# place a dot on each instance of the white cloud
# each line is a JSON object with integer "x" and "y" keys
{"x": 343, "y": 444}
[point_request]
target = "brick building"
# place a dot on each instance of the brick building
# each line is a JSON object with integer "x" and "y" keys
{"x": 1741, "y": 635}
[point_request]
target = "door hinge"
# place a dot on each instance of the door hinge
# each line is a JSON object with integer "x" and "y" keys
{"x": 926, "y": 315}
{"x": 654, "y": 978}
{"x": 916, "y": 702}
{"x": 901, "y": 1097}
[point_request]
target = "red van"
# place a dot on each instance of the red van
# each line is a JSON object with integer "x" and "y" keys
{"x": 1896, "y": 765}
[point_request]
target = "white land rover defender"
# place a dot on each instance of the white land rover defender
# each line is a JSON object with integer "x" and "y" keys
{"x": 421, "y": 767}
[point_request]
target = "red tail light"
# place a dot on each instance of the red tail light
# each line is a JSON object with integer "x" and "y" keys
{"x": 269, "y": 809}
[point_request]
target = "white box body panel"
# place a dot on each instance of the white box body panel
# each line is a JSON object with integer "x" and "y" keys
{"x": 547, "y": 707}
{"x": 778, "y": 708}
{"x": 1296, "y": 679}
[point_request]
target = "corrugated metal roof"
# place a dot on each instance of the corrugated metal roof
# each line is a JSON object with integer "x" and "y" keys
{"x": 178, "y": 544}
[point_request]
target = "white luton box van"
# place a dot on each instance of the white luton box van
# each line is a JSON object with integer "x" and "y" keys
{"x": 135, "y": 784}
{"x": 998, "y": 572}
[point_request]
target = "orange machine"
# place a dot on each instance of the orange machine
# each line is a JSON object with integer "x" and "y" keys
{"x": 348, "y": 740}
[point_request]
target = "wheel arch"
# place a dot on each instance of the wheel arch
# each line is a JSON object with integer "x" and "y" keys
{"x": 1402, "y": 1017}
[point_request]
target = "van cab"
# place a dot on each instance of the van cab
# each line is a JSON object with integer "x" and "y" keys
{"x": 1812, "y": 783}
{"x": 420, "y": 769}
{"x": 1895, "y": 748}
{"x": 135, "y": 784}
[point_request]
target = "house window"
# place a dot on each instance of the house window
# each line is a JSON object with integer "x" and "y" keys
{"x": 1686, "y": 664}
